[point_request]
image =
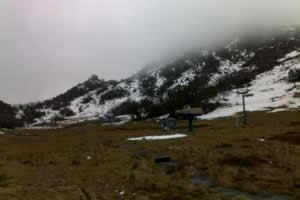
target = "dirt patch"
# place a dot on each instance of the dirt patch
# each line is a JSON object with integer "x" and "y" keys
{"x": 249, "y": 161}
{"x": 292, "y": 133}
{"x": 184, "y": 126}
{"x": 295, "y": 123}
{"x": 225, "y": 145}
{"x": 289, "y": 137}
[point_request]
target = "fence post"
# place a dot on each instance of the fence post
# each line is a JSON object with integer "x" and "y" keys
{"x": 243, "y": 93}
{"x": 244, "y": 110}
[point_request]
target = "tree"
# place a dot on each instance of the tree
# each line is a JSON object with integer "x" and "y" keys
{"x": 294, "y": 76}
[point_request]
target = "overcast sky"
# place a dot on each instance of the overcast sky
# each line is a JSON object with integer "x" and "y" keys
{"x": 47, "y": 46}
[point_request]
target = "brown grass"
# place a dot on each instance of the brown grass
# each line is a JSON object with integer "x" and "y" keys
{"x": 54, "y": 164}
{"x": 297, "y": 95}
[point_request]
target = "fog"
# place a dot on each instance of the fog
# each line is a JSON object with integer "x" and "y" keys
{"x": 51, "y": 45}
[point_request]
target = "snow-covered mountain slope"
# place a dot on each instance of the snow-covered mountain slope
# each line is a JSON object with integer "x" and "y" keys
{"x": 206, "y": 78}
{"x": 269, "y": 91}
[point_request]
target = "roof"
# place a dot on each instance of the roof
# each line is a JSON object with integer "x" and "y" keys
{"x": 190, "y": 111}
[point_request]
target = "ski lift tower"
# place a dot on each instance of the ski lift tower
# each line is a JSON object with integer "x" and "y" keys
{"x": 244, "y": 92}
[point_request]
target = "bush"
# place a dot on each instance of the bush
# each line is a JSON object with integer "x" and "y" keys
{"x": 87, "y": 99}
{"x": 31, "y": 113}
{"x": 128, "y": 107}
{"x": 7, "y": 116}
{"x": 148, "y": 86}
{"x": 66, "y": 112}
{"x": 113, "y": 94}
{"x": 294, "y": 75}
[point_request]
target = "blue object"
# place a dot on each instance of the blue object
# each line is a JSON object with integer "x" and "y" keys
{"x": 163, "y": 125}
{"x": 167, "y": 123}
{"x": 190, "y": 118}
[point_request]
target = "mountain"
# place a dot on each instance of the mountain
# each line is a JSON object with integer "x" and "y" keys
{"x": 209, "y": 79}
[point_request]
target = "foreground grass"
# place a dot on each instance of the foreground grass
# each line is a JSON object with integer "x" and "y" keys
{"x": 85, "y": 162}
{"x": 264, "y": 156}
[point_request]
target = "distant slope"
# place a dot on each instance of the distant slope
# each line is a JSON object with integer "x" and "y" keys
{"x": 206, "y": 78}
{"x": 269, "y": 91}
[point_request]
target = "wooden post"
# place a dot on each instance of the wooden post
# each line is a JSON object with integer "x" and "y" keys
{"x": 244, "y": 110}
{"x": 237, "y": 120}
{"x": 243, "y": 93}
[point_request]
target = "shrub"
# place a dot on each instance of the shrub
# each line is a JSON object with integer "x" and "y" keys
{"x": 67, "y": 112}
{"x": 128, "y": 107}
{"x": 148, "y": 86}
{"x": 113, "y": 94}
{"x": 7, "y": 116}
{"x": 294, "y": 75}
{"x": 87, "y": 99}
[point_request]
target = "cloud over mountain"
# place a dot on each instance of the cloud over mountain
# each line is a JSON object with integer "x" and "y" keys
{"x": 48, "y": 46}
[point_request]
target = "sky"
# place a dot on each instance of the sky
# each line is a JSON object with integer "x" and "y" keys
{"x": 48, "y": 46}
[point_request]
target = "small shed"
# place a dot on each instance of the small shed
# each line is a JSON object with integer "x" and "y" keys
{"x": 190, "y": 114}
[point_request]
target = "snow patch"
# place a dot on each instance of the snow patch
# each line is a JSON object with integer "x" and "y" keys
{"x": 293, "y": 54}
{"x": 185, "y": 79}
{"x": 19, "y": 114}
{"x": 42, "y": 127}
{"x": 116, "y": 123}
{"x": 161, "y": 137}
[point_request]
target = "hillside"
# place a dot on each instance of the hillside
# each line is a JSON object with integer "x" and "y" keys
{"x": 208, "y": 79}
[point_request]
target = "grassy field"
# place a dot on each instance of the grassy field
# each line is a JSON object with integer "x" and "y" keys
{"x": 85, "y": 162}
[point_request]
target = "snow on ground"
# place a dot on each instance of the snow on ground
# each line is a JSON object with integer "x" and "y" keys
{"x": 185, "y": 79}
{"x": 162, "y": 117}
{"x": 19, "y": 114}
{"x": 124, "y": 117}
{"x": 76, "y": 120}
{"x": 161, "y": 137}
{"x": 92, "y": 109}
{"x": 49, "y": 116}
{"x": 293, "y": 54}
{"x": 42, "y": 127}
{"x": 228, "y": 67}
{"x": 116, "y": 123}
{"x": 160, "y": 80}
{"x": 95, "y": 109}
{"x": 135, "y": 93}
{"x": 270, "y": 90}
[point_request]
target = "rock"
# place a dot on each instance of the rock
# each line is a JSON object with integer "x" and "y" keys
{"x": 89, "y": 158}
